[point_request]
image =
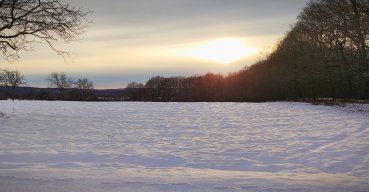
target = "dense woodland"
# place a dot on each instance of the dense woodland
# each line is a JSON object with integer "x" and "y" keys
{"x": 324, "y": 55}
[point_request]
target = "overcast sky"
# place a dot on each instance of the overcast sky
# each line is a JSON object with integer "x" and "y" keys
{"x": 132, "y": 40}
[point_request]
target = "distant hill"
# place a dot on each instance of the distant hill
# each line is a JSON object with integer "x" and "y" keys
{"x": 44, "y": 93}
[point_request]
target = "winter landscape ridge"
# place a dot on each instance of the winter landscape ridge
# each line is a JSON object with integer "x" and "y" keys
{"x": 131, "y": 146}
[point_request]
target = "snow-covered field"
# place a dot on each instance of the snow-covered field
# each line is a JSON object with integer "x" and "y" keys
{"x": 77, "y": 147}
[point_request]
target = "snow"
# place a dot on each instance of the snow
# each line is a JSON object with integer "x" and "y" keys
{"x": 123, "y": 146}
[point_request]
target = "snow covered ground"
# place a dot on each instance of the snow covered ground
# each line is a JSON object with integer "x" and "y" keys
{"x": 77, "y": 147}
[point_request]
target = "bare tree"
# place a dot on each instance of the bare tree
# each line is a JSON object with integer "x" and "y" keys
{"x": 133, "y": 85}
{"x": 60, "y": 81}
{"x": 11, "y": 80}
{"x": 26, "y": 22}
{"x": 84, "y": 84}
{"x": 84, "y": 89}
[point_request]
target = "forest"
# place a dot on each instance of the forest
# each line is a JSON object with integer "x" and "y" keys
{"x": 323, "y": 55}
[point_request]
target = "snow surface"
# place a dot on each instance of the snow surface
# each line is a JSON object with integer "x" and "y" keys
{"x": 122, "y": 146}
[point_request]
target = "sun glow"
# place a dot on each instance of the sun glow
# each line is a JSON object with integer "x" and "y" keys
{"x": 225, "y": 51}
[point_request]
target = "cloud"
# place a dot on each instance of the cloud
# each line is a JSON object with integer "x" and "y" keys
{"x": 132, "y": 37}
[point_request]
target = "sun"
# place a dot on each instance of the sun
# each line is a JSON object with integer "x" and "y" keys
{"x": 225, "y": 50}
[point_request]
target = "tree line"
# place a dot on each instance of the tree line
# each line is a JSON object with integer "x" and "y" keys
{"x": 324, "y": 55}
{"x": 62, "y": 87}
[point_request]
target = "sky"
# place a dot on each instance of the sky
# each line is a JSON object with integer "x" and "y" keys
{"x": 133, "y": 40}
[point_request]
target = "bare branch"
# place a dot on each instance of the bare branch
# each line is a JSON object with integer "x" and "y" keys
{"x": 26, "y": 22}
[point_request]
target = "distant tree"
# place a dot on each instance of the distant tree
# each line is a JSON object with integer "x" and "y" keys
{"x": 60, "y": 81}
{"x": 11, "y": 79}
{"x": 135, "y": 91}
{"x": 84, "y": 84}
{"x": 84, "y": 90}
{"x": 133, "y": 85}
{"x": 26, "y": 22}
{"x": 154, "y": 82}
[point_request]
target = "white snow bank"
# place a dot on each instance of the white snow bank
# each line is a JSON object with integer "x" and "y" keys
{"x": 72, "y": 146}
